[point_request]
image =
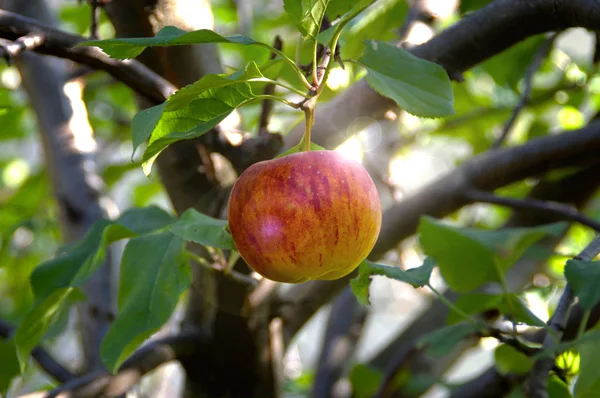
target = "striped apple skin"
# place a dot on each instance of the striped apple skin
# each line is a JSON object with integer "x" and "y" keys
{"x": 308, "y": 215}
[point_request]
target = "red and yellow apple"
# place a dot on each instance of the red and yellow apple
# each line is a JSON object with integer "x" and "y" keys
{"x": 308, "y": 215}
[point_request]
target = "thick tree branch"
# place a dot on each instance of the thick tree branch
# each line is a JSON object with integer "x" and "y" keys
{"x": 144, "y": 360}
{"x": 536, "y": 384}
{"x": 475, "y": 38}
{"x": 9, "y": 50}
{"x": 42, "y": 357}
{"x": 62, "y": 44}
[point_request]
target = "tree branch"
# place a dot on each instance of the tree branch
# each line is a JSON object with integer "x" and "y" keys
{"x": 475, "y": 38}
{"x": 144, "y": 360}
{"x": 9, "y": 50}
{"x": 62, "y": 44}
{"x": 536, "y": 384}
{"x": 42, "y": 357}
{"x": 558, "y": 210}
{"x": 540, "y": 55}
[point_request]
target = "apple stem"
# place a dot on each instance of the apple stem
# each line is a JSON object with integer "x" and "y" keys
{"x": 309, "y": 116}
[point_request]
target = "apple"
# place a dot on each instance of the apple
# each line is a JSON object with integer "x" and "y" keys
{"x": 308, "y": 215}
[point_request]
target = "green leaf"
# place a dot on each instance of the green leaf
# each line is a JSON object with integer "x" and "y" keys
{"x": 202, "y": 88}
{"x": 145, "y": 220}
{"x": 365, "y": 381}
{"x": 519, "y": 58}
{"x": 420, "y": 87}
{"x": 377, "y": 22}
{"x": 123, "y": 48}
{"x": 36, "y": 323}
{"x": 470, "y": 257}
{"x": 154, "y": 274}
{"x": 444, "y": 340}
{"x": 588, "y": 382}
{"x": 194, "y": 110}
{"x": 417, "y": 277}
{"x": 473, "y": 303}
{"x": 144, "y": 123}
{"x": 337, "y": 8}
{"x": 558, "y": 389}
{"x": 74, "y": 266}
{"x": 61, "y": 318}
{"x": 584, "y": 277}
{"x": 512, "y": 305}
{"x": 9, "y": 365}
{"x": 156, "y": 147}
{"x": 200, "y": 228}
{"x": 53, "y": 281}
{"x": 307, "y": 15}
{"x": 509, "y": 360}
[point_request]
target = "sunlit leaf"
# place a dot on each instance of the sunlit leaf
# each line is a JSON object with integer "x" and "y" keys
{"x": 417, "y": 277}
{"x": 584, "y": 277}
{"x": 470, "y": 257}
{"x": 509, "y": 360}
{"x": 123, "y": 48}
{"x": 418, "y": 86}
{"x": 200, "y": 228}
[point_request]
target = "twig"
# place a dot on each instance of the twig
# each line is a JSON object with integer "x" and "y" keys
{"x": 147, "y": 358}
{"x": 267, "y": 105}
{"x": 31, "y": 41}
{"x": 540, "y": 55}
{"x": 41, "y": 356}
{"x": 559, "y": 210}
{"x": 235, "y": 275}
{"x": 536, "y": 384}
{"x": 95, "y": 16}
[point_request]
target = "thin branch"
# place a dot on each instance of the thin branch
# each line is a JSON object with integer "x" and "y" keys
{"x": 31, "y": 41}
{"x": 267, "y": 105}
{"x": 536, "y": 384}
{"x": 46, "y": 361}
{"x": 94, "y": 18}
{"x": 552, "y": 209}
{"x": 144, "y": 360}
{"x": 539, "y": 57}
{"x": 62, "y": 44}
{"x": 489, "y": 383}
